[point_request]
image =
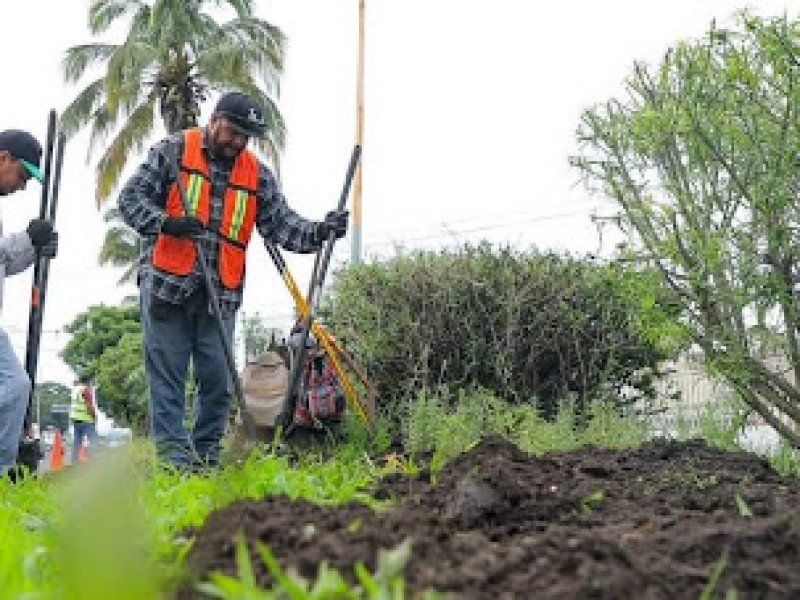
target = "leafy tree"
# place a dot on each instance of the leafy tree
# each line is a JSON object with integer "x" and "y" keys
{"x": 121, "y": 382}
{"x": 107, "y": 342}
{"x": 701, "y": 157}
{"x": 95, "y": 331}
{"x": 47, "y": 394}
{"x": 173, "y": 54}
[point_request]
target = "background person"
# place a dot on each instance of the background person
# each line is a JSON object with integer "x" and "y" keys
{"x": 83, "y": 415}
{"x": 230, "y": 193}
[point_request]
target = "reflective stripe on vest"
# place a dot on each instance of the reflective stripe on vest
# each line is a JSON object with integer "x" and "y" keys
{"x": 178, "y": 255}
{"x": 77, "y": 408}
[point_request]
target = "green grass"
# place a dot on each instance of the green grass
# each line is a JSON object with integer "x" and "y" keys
{"x": 118, "y": 527}
{"x": 80, "y": 533}
{"x": 28, "y": 513}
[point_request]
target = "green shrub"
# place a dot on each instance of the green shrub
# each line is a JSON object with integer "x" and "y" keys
{"x": 529, "y": 327}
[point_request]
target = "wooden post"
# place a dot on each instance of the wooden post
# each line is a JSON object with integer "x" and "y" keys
{"x": 355, "y": 231}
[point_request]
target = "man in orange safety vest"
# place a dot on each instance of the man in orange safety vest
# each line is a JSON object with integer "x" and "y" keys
{"x": 229, "y": 192}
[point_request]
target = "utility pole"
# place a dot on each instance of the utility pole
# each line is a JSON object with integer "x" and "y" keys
{"x": 355, "y": 254}
{"x": 600, "y": 224}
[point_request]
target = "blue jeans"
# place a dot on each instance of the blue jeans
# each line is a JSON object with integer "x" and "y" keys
{"x": 15, "y": 389}
{"x": 80, "y": 429}
{"x": 172, "y": 334}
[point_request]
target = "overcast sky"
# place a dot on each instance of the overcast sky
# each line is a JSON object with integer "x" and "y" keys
{"x": 470, "y": 112}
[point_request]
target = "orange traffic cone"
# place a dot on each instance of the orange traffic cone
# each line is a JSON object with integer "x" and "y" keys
{"x": 83, "y": 451}
{"x": 57, "y": 452}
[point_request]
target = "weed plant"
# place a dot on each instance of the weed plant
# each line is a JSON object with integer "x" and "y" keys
{"x": 386, "y": 583}
{"x": 434, "y": 423}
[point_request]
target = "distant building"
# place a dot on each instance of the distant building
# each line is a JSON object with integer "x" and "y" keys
{"x": 697, "y": 391}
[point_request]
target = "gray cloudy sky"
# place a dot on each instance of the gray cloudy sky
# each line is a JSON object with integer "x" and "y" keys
{"x": 471, "y": 108}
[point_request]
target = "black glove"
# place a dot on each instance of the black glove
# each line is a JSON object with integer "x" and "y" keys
{"x": 50, "y": 249}
{"x": 182, "y": 226}
{"x": 335, "y": 222}
{"x": 41, "y": 232}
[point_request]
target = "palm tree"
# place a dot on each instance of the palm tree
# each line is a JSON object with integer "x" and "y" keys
{"x": 121, "y": 246}
{"x": 174, "y": 54}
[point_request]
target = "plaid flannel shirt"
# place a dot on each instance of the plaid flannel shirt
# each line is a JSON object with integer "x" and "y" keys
{"x": 142, "y": 203}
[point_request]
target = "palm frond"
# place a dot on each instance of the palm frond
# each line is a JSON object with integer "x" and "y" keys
{"x": 140, "y": 27}
{"x": 102, "y": 13}
{"x": 129, "y": 275}
{"x": 131, "y": 137}
{"x": 81, "y": 110}
{"x": 124, "y": 73}
{"x": 174, "y": 22}
{"x": 79, "y": 58}
{"x": 244, "y": 47}
{"x": 224, "y": 70}
{"x": 103, "y": 123}
{"x": 243, "y": 8}
{"x": 264, "y": 43}
{"x": 120, "y": 247}
{"x": 113, "y": 215}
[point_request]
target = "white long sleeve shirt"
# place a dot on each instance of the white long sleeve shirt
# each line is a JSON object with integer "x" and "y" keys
{"x": 16, "y": 254}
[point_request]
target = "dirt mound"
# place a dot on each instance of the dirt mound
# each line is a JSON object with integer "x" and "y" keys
{"x": 652, "y": 522}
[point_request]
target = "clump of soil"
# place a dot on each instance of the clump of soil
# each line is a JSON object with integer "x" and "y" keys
{"x": 652, "y": 522}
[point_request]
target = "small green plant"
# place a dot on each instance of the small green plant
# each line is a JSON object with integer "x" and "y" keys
{"x": 710, "y": 589}
{"x": 422, "y": 422}
{"x": 743, "y": 507}
{"x": 385, "y": 584}
{"x": 591, "y": 501}
{"x": 244, "y": 586}
{"x": 786, "y": 460}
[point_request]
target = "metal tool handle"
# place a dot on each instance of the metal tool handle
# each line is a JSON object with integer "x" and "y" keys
{"x": 213, "y": 300}
{"x": 313, "y": 300}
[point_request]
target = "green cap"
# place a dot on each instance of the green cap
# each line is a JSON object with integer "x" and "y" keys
{"x": 33, "y": 170}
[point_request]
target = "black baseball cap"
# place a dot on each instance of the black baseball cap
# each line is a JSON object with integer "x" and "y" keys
{"x": 244, "y": 113}
{"x": 83, "y": 376}
{"x": 24, "y": 147}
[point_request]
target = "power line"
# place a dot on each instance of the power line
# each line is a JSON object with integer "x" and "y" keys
{"x": 509, "y": 217}
{"x": 14, "y": 329}
{"x": 457, "y": 232}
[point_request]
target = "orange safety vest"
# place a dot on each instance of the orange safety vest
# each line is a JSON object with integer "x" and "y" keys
{"x": 178, "y": 255}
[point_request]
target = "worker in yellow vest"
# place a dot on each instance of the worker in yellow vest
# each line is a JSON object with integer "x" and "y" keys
{"x": 229, "y": 193}
{"x": 83, "y": 415}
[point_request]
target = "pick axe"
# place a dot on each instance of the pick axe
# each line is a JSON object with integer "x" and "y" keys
{"x": 213, "y": 300}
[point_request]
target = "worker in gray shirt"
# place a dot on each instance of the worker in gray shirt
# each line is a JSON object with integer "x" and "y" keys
{"x": 20, "y": 154}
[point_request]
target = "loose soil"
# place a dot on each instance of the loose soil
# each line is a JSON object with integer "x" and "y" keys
{"x": 652, "y": 522}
